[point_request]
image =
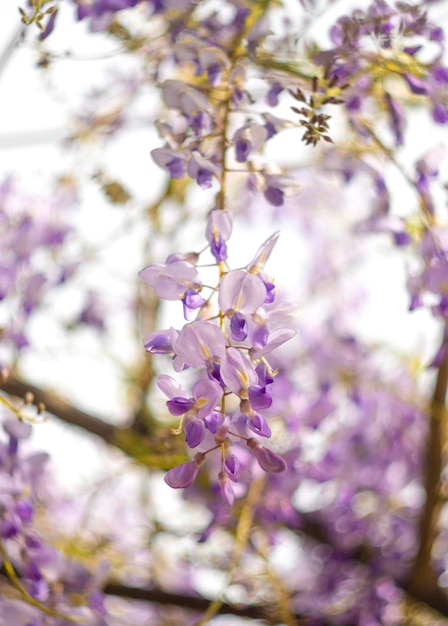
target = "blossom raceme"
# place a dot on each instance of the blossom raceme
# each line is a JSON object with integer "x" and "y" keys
{"x": 227, "y": 351}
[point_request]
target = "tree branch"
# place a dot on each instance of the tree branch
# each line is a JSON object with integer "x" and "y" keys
{"x": 422, "y": 578}
{"x": 61, "y": 409}
{"x": 195, "y": 603}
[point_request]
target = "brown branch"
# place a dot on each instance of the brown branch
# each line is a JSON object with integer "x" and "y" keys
{"x": 63, "y": 410}
{"x": 195, "y": 603}
{"x": 422, "y": 578}
{"x": 153, "y": 450}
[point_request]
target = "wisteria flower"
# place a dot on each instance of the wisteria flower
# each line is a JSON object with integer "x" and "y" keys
{"x": 198, "y": 345}
{"x": 241, "y": 292}
{"x": 172, "y": 281}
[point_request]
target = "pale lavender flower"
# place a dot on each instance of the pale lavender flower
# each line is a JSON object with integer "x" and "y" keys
{"x": 160, "y": 341}
{"x": 17, "y": 428}
{"x": 190, "y": 102}
{"x": 241, "y": 292}
{"x": 202, "y": 170}
{"x": 207, "y": 395}
{"x": 198, "y": 345}
{"x": 213, "y": 61}
{"x": 173, "y": 162}
{"x": 276, "y": 187}
{"x": 248, "y": 138}
{"x": 172, "y": 281}
{"x": 237, "y": 372}
{"x": 170, "y": 387}
{"x": 262, "y": 255}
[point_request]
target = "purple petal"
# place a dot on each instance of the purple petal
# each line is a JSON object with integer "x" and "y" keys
{"x": 440, "y": 113}
{"x": 270, "y": 292}
{"x": 219, "y": 250}
{"x": 276, "y": 339}
{"x": 219, "y": 224}
{"x": 207, "y": 394}
{"x": 194, "y": 432}
{"x": 17, "y": 428}
{"x": 274, "y": 196}
{"x": 267, "y": 460}
{"x": 237, "y": 371}
{"x": 213, "y": 421}
{"x": 182, "y": 476}
{"x": 242, "y": 150}
{"x": 174, "y": 280}
{"x": 193, "y": 300}
{"x": 159, "y": 342}
{"x": 49, "y": 27}
{"x": 170, "y": 387}
{"x": 238, "y": 327}
{"x": 24, "y": 509}
{"x": 263, "y": 253}
{"x": 179, "y": 406}
{"x": 232, "y": 466}
{"x": 199, "y": 343}
{"x": 259, "y": 398}
{"x": 416, "y": 85}
{"x": 273, "y": 93}
{"x": 259, "y": 425}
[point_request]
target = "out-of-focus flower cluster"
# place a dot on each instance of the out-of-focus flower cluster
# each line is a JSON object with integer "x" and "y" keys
{"x": 46, "y": 582}
{"x": 33, "y": 232}
{"x": 381, "y": 53}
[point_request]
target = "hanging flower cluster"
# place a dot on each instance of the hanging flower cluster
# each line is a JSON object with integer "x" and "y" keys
{"x": 228, "y": 343}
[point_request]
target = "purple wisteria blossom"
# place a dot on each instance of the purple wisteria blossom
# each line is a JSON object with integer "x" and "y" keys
{"x": 172, "y": 281}
{"x": 198, "y": 345}
{"x": 241, "y": 292}
{"x": 231, "y": 370}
